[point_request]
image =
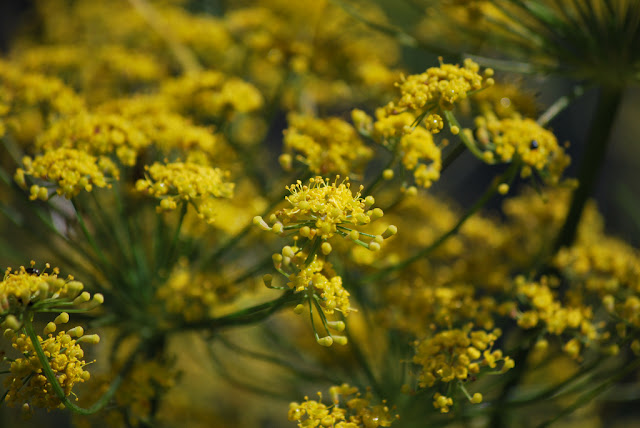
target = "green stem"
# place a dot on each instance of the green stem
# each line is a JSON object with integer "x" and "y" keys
{"x": 176, "y": 235}
{"x": 463, "y": 136}
{"x": 57, "y": 389}
{"x": 244, "y": 316}
{"x": 554, "y": 390}
{"x": 590, "y": 395}
{"x": 595, "y": 150}
{"x": 559, "y": 105}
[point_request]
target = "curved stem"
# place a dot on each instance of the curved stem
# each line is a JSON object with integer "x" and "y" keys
{"x": 463, "y": 136}
{"x": 595, "y": 150}
{"x": 57, "y": 389}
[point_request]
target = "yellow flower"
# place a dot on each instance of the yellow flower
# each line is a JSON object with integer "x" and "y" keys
{"x": 350, "y": 409}
{"x": 69, "y": 170}
{"x": 440, "y": 86}
{"x": 327, "y": 145}
{"x": 187, "y": 182}
{"x": 534, "y": 145}
{"x": 318, "y": 278}
{"x": 27, "y": 384}
{"x": 96, "y": 135}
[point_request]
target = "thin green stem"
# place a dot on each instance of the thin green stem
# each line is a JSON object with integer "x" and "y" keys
{"x": 599, "y": 135}
{"x": 463, "y": 136}
{"x": 244, "y": 316}
{"x": 57, "y": 389}
{"x": 590, "y": 395}
{"x": 559, "y": 105}
{"x": 176, "y": 234}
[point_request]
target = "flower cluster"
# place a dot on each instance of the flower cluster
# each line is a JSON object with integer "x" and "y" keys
{"x": 186, "y": 182}
{"x": 326, "y": 145}
{"x": 318, "y": 279}
{"x": 441, "y": 87}
{"x": 69, "y": 171}
{"x": 211, "y": 94}
{"x": 349, "y": 410}
{"x": 323, "y": 209}
{"x": 98, "y": 135}
{"x": 28, "y": 385}
{"x": 457, "y": 354}
{"x": 31, "y": 289}
{"x": 195, "y": 296}
{"x": 508, "y": 138}
{"x": 555, "y": 317}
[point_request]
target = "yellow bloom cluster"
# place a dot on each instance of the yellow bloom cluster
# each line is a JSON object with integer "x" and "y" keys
{"x": 319, "y": 279}
{"x": 186, "y": 182}
{"x": 349, "y": 410}
{"x": 413, "y": 143}
{"x": 30, "y": 100}
{"x": 69, "y": 170}
{"x": 323, "y": 209}
{"x": 556, "y": 318}
{"x": 211, "y": 94}
{"x": 418, "y": 146}
{"x": 27, "y": 384}
{"x": 23, "y": 288}
{"x": 440, "y": 87}
{"x": 171, "y": 133}
{"x": 457, "y": 354}
{"x": 195, "y": 296}
{"x": 524, "y": 138}
{"x": 96, "y": 135}
{"x": 327, "y": 146}
{"x": 505, "y": 100}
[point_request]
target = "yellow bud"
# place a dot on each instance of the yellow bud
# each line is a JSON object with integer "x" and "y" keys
{"x": 82, "y": 298}
{"x": 369, "y": 201}
{"x": 374, "y": 246}
{"x": 455, "y": 130}
{"x": 12, "y": 322}
{"x": 43, "y": 194}
{"x": 259, "y": 221}
{"x": 391, "y": 230}
{"x": 354, "y": 234}
{"x": 74, "y": 288}
{"x": 287, "y": 251}
{"x": 325, "y": 341}
{"x": 278, "y": 228}
{"x": 298, "y": 309}
{"x": 387, "y": 174}
{"x": 336, "y": 325}
{"x": 305, "y": 231}
{"x": 90, "y": 338}
{"x": 63, "y": 318}
{"x": 477, "y": 398}
{"x": 503, "y": 188}
{"x": 377, "y": 213}
{"x": 286, "y": 161}
{"x": 76, "y": 331}
{"x": 340, "y": 340}
{"x": 326, "y": 248}
{"x": 49, "y": 328}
